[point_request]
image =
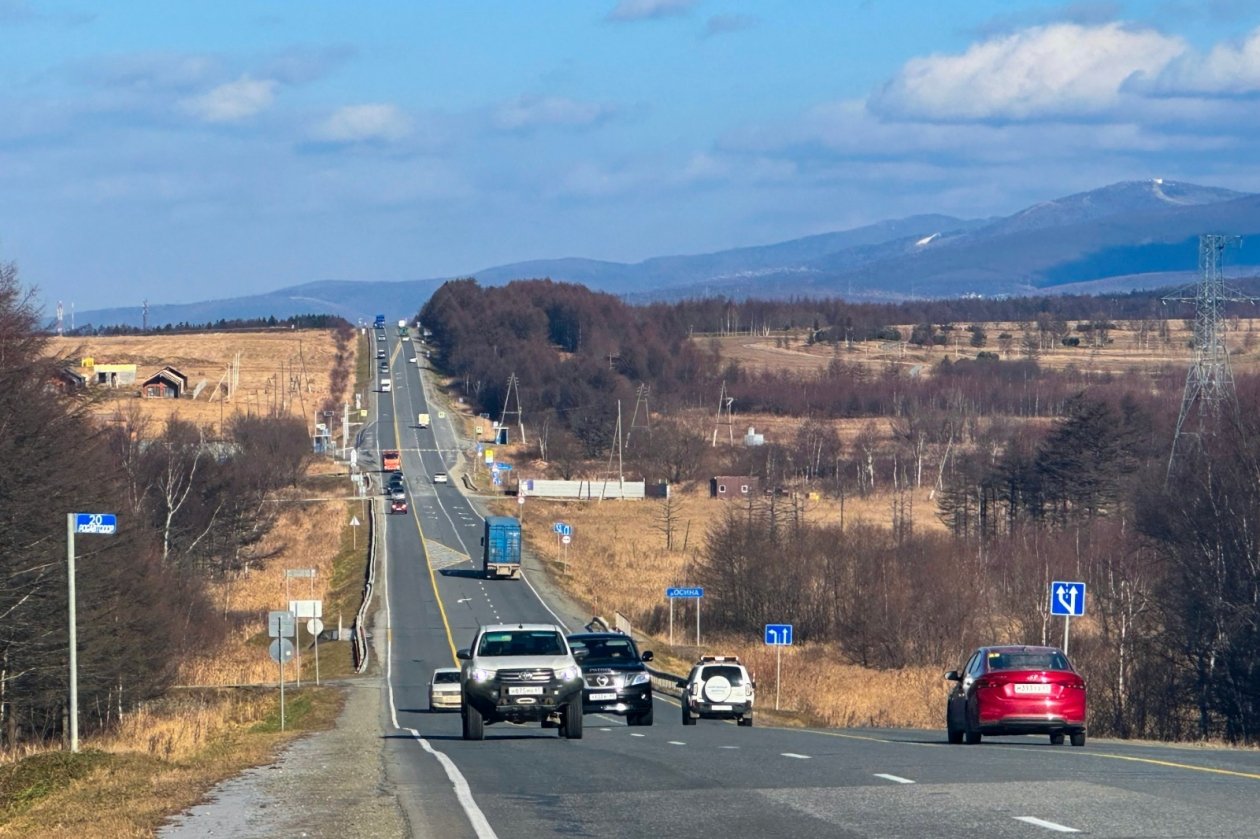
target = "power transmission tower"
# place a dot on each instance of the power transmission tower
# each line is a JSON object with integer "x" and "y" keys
{"x": 1209, "y": 381}
{"x": 615, "y": 451}
{"x": 641, "y": 398}
{"x": 61, "y": 313}
{"x": 144, "y": 316}
{"x": 724, "y": 407}
{"x": 513, "y": 389}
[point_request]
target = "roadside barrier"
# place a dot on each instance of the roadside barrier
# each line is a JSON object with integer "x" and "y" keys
{"x": 359, "y": 639}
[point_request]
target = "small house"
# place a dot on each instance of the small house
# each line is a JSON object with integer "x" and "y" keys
{"x": 167, "y": 383}
{"x": 734, "y": 486}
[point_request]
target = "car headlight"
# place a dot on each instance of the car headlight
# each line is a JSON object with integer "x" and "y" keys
{"x": 481, "y": 674}
{"x": 638, "y": 679}
{"x": 569, "y": 673}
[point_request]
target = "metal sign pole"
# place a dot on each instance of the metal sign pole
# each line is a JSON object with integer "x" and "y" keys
{"x": 697, "y": 621}
{"x": 282, "y": 681}
{"x": 671, "y": 621}
{"x": 74, "y": 641}
{"x": 1067, "y": 623}
{"x": 779, "y": 670}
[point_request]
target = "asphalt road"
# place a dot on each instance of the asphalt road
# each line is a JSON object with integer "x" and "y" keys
{"x": 714, "y": 778}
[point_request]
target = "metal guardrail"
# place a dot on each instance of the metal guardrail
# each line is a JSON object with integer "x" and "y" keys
{"x": 359, "y": 639}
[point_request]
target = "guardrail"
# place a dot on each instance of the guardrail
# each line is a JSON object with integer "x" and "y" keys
{"x": 359, "y": 639}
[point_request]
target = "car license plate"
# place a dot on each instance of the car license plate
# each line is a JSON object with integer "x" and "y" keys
{"x": 1033, "y": 690}
{"x": 603, "y": 697}
{"x": 532, "y": 690}
{"x": 719, "y": 707}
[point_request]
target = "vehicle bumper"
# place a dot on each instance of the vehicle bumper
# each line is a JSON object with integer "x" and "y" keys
{"x": 495, "y": 702}
{"x": 1037, "y": 724}
{"x": 503, "y": 570}
{"x": 720, "y": 710}
{"x": 632, "y": 700}
{"x": 445, "y": 700}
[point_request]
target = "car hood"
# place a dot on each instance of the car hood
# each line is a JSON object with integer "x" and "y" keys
{"x": 611, "y": 667}
{"x": 522, "y": 662}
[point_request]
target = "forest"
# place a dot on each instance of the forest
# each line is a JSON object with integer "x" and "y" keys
{"x": 1037, "y": 474}
{"x": 188, "y": 507}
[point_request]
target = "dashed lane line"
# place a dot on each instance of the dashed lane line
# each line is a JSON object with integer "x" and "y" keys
{"x": 795, "y": 755}
{"x": 896, "y": 779}
{"x": 1055, "y": 826}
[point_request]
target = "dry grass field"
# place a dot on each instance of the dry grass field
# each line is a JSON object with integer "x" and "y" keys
{"x": 282, "y": 371}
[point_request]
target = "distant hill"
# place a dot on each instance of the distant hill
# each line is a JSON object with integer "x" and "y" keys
{"x": 1134, "y": 234}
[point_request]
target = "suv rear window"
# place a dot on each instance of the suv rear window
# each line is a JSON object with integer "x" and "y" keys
{"x": 733, "y": 674}
{"x": 521, "y": 642}
{"x": 1052, "y": 660}
{"x": 446, "y": 678}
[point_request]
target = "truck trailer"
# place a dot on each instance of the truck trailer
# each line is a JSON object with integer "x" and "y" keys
{"x": 501, "y": 548}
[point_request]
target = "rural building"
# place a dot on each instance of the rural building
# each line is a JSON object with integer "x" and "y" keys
{"x": 67, "y": 380}
{"x": 110, "y": 375}
{"x": 167, "y": 383}
{"x": 734, "y": 486}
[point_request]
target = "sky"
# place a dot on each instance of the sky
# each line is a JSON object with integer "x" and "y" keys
{"x": 188, "y": 151}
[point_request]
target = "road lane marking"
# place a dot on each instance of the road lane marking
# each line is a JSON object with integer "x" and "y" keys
{"x": 728, "y": 747}
{"x": 1055, "y": 826}
{"x": 896, "y": 779}
{"x": 677, "y": 743}
{"x": 1173, "y": 765}
{"x": 795, "y": 755}
{"x": 636, "y": 734}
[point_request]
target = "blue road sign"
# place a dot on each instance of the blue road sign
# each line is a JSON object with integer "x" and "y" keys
{"x": 103, "y": 523}
{"x": 555, "y": 528}
{"x": 504, "y": 467}
{"x": 565, "y": 529}
{"x": 690, "y": 591}
{"x": 1067, "y": 599}
{"x": 779, "y": 634}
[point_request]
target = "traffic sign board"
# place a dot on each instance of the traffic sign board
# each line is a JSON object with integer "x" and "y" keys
{"x": 566, "y": 538}
{"x": 280, "y": 624}
{"x": 103, "y": 523}
{"x": 1067, "y": 599}
{"x": 315, "y": 626}
{"x": 280, "y": 649}
{"x": 779, "y": 634}
{"x": 684, "y": 591}
{"x": 504, "y": 467}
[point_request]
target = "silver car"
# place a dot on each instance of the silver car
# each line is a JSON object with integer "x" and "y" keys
{"x": 444, "y": 690}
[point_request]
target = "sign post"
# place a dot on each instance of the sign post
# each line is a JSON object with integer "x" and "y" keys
{"x": 300, "y": 573}
{"x": 778, "y": 635}
{"x": 280, "y": 625}
{"x": 689, "y": 593}
{"x": 105, "y": 524}
{"x": 1067, "y": 599}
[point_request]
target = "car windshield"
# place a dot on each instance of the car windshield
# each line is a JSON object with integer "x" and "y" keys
{"x": 446, "y": 678}
{"x": 1040, "y": 660}
{"x": 521, "y": 642}
{"x": 609, "y": 651}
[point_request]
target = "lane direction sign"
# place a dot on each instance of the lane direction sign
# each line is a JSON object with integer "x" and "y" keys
{"x": 1067, "y": 598}
{"x": 779, "y": 634}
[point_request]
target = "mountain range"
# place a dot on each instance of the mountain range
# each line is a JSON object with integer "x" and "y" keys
{"x": 1129, "y": 235}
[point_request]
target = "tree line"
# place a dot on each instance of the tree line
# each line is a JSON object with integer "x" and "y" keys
{"x": 188, "y": 507}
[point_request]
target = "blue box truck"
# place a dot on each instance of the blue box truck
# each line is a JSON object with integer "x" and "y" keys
{"x": 380, "y": 321}
{"x": 501, "y": 548}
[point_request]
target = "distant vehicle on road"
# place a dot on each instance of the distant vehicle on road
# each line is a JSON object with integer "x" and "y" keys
{"x": 617, "y": 680}
{"x": 386, "y": 386}
{"x": 398, "y": 505}
{"x": 444, "y": 689}
{"x": 1016, "y": 690}
{"x": 424, "y": 421}
{"x": 501, "y": 548}
{"x": 718, "y": 687}
{"x": 397, "y": 493}
{"x": 440, "y": 478}
{"x": 391, "y": 460}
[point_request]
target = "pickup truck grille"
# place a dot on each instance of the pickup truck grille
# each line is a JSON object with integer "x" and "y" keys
{"x": 526, "y": 676}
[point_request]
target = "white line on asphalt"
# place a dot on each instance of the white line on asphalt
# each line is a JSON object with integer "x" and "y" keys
{"x": 795, "y": 755}
{"x": 896, "y": 779}
{"x": 636, "y": 734}
{"x": 1058, "y": 828}
{"x": 463, "y": 793}
{"x": 605, "y": 729}
{"x": 728, "y": 747}
{"x": 677, "y": 743}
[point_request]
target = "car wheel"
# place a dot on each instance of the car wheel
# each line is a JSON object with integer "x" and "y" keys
{"x": 474, "y": 726}
{"x": 640, "y": 719}
{"x": 572, "y": 727}
{"x": 1078, "y": 739}
{"x": 954, "y": 735}
{"x": 746, "y": 720}
{"x": 1056, "y": 739}
{"x": 688, "y": 719}
{"x": 970, "y": 737}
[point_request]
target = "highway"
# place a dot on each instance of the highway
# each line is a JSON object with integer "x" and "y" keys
{"x": 716, "y": 779}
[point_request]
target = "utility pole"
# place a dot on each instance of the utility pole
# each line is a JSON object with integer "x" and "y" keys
{"x": 616, "y": 450}
{"x": 1209, "y": 381}
{"x": 725, "y": 404}
{"x": 641, "y": 398}
{"x": 513, "y": 389}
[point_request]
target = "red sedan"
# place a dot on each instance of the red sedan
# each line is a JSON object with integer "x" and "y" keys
{"x": 398, "y": 506}
{"x": 1016, "y": 690}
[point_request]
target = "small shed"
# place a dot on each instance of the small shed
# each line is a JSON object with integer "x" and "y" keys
{"x": 734, "y": 486}
{"x": 67, "y": 380}
{"x": 167, "y": 383}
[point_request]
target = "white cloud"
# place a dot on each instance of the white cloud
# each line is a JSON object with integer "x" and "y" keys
{"x": 529, "y": 112}
{"x": 233, "y": 101}
{"x": 362, "y": 123}
{"x": 1047, "y": 71}
{"x": 1230, "y": 69}
{"x": 628, "y": 10}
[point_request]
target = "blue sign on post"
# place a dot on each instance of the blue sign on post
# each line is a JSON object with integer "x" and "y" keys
{"x": 689, "y": 591}
{"x": 104, "y": 523}
{"x": 504, "y": 467}
{"x": 1067, "y": 599}
{"x": 779, "y": 634}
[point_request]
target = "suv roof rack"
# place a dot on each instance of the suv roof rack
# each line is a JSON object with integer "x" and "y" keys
{"x": 731, "y": 658}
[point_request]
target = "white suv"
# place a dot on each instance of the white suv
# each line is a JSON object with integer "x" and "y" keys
{"x": 718, "y": 687}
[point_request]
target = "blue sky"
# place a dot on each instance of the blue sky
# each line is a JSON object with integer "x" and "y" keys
{"x": 182, "y": 151}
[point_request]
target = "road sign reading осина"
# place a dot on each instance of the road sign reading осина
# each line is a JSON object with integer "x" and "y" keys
{"x": 684, "y": 591}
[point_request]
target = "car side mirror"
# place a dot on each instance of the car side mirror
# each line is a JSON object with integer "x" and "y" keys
{"x": 953, "y": 676}
{"x": 647, "y": 655}
{"x": 580, "y": 652}
{"x": 483, "y": 541}
{"x": 463, "y": 655}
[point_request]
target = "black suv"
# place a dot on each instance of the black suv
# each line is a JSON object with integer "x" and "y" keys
{"x": 617, "y": 682}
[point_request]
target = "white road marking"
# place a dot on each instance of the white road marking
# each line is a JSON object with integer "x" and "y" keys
{"x": 605, "y": 729}
{"x": 1057, "y": 828}
{"x": 795, "y": 755}
{"x": 728, "y": 747}
{"x": 636, "y": 734}
{"x": 896, "y": 779}
{"x": 677, "y": 743}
